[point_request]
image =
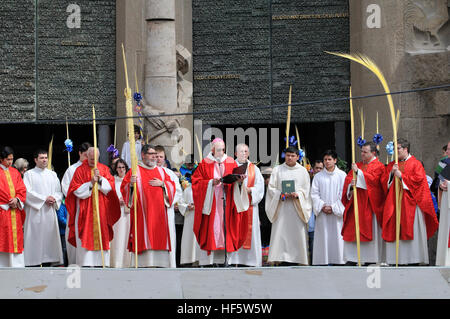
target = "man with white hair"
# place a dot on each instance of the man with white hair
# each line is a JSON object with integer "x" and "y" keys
{"x": 84, "y": 232}
{"x": 155, "y": 194}
{"x": 251, "y": 193}
{"x": 209, "y": 192}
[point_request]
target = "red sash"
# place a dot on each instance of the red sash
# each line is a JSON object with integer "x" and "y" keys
{"x": 250, "y": 183}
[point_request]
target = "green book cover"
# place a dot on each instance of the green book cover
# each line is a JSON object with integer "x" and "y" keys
{"x": 288, "y": 186}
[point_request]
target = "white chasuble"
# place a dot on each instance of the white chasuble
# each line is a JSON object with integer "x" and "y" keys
{"x": 289, "y": 217}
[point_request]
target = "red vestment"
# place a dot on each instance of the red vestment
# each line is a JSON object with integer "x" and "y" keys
{"x": 418, "y": 194}
{"x": 370, "y": 200}
{"x": 11, "y": 220}
{"x": 152, "y": 222}
{"x": 236, "y": 223}
{"x": 109, "y": 209}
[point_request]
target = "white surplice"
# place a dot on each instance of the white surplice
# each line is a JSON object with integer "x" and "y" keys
{"x": 252, "y": 256}
{"x": 326, "y": 190}
{"x": 120, "y": 256}
{"x": 42, "y": 242}
{"x": 443, "y": 252}
{"x": 65, "y": 183}
{"x": 370, "y": 251}
{"x": 289, "y": 218}
{"x": 189, "y": 245}
{"x": 86, "y": 257}
{"x": 126, "y": 155}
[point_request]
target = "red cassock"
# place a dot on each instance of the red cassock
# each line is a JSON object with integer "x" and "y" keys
{"x": 152, "y": 221}
{"x": 109, "y": 209}
{"x": 236, "y": 223}
{"x": 11, "y": 220}
{"x": 369, "y": 200}
{"x": 414, "y": 177}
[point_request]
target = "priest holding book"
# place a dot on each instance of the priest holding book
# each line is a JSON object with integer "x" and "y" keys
{"x": 288, "y": 207}
{"x": 216, "y": 225}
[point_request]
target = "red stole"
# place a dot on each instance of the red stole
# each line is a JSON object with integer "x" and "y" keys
{"x": 11, "y": 220}
{"x": 413, "y": 175}
{"x": 236, "y": 223}
{"x": 369, "y": 200}
{"x": 152, "y": 221}
{"x": 250, "y": 183}
{"x": 109, "y": 210}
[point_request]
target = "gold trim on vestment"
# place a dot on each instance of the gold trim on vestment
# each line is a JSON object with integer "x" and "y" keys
{"x": 12, "y": 192}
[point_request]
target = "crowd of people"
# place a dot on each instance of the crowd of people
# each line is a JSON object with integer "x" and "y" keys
{"x": 233, "y": 212}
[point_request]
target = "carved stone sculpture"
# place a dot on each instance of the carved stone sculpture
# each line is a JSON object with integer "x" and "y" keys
{"x": 427, "y": 22}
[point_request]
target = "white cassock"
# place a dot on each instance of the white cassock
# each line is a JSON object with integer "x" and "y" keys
{"x": 65, "y": 183}
{"x": 326, "y": 190}
{"x": 289, "y": 218}
{"x": 171, "y": 217}
{"x": 126, "y": 155}
{"x": 120, "y": 256}
{"x": 189, "y": 245}
{"x": 443, "y": 252}
{"x": 370, "y": 251}
{"x": 252, "y": 256}
{"x": 86, "y": 257}
{"x": 42, "y": 242}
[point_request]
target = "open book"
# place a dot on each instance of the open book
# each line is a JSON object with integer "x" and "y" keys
{"x": 234, "y": 176}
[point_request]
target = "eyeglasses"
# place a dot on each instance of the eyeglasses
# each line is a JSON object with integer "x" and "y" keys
{"x": 121, "y": 167}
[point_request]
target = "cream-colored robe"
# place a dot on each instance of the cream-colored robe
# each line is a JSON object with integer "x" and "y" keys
{"x": 289, "y": 218}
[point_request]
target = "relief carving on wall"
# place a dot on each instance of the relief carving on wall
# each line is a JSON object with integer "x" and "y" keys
{"x": 427, "y": 26}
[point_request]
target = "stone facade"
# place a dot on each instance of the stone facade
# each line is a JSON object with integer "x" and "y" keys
{"x": 248, "y": 54}
{"x": 50, "y": 70}
{"x": 410, "y": 57}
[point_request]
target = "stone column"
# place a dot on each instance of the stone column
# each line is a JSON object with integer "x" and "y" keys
{"x": 160, "y": 70}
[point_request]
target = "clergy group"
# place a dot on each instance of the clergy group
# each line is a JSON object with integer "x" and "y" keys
{"x": 116, "y": 217}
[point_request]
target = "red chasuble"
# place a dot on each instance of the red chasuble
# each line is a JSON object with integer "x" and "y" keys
{"x": 414, "y": 177}
{"x": 152, "y": 222}
{"x": 11, "y": 220}
{"x": 369, "y": 200}
{"x": 236, "y": 223}
{"x": 109, "y": 210}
